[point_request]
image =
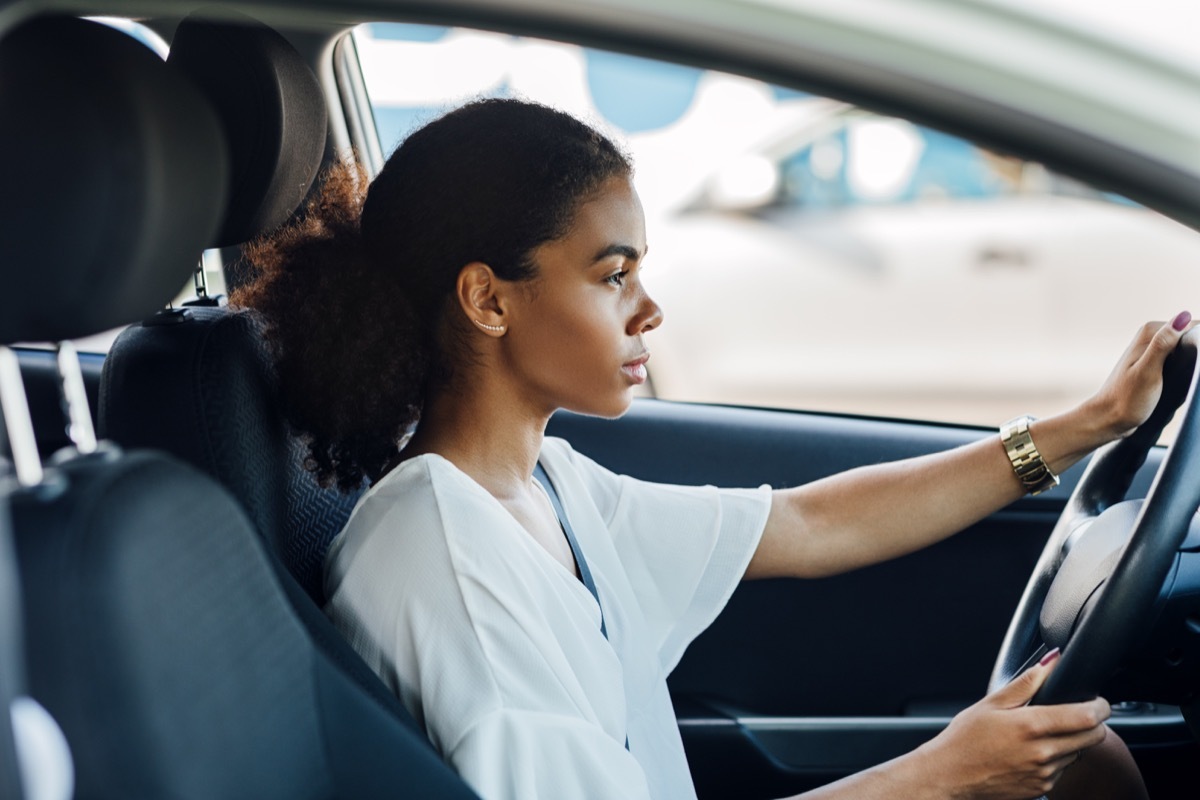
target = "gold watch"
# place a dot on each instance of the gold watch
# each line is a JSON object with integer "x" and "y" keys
{"x": 1023, "y": 454}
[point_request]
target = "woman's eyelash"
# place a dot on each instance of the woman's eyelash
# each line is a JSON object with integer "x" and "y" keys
{"x": 617, "y": 278}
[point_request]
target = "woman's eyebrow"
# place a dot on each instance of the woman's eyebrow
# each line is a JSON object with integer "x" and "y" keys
{"x": 620, "y": 250}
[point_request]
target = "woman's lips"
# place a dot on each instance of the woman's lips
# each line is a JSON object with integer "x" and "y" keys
{"x": 636, "y": 370}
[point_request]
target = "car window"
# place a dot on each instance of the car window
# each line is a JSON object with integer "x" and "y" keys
{"x": 859, "y": 158}
{"x": 810, "y": 254}
{"x": 876, "y": 160}
{"x": 214, "y": 278}
{"x": 145, "y": 35}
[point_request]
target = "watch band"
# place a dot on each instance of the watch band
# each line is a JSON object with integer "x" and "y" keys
{"x": 1023, "y": 454}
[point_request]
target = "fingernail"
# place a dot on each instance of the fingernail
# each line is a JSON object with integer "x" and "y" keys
{"x": 1181, "y": 321}
{"x": 1046, "y": 659}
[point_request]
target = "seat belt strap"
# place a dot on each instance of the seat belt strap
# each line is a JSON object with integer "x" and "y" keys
{"x": 585, "y": 574}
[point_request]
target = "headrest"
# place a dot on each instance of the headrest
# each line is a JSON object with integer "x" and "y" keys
{"x": 114, "y": 180}
{"x": 273, "y": 112}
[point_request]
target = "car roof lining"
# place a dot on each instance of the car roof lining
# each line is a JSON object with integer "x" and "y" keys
{"x": 1072, "y": 152}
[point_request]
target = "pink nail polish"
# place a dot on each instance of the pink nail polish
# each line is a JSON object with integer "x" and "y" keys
{"x": 1181, "y": 321}
{"x": 1046, "y": 659}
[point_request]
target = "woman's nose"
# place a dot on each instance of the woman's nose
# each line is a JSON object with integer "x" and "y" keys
{"x": 649, "y": 316}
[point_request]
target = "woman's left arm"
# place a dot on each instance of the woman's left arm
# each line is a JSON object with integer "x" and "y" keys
{"x": 872, "y": 514}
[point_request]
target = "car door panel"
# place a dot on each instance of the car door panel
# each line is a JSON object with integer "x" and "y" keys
{"x": 799, "y": 682}
{"x": 867, "y": 651}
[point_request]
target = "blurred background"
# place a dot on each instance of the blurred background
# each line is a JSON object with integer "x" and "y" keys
{"x": 810, "y": 254}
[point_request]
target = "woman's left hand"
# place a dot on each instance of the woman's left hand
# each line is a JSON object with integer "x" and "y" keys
{"x": 1133, "y": 388}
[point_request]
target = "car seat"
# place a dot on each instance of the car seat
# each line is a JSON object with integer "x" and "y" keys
{"x": 35, "y": 761}
{"x": 197, "y": 381}
{"x": 157, "y": 631}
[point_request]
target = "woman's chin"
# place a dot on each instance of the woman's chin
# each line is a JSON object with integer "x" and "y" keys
{"x": 609, "y": 408}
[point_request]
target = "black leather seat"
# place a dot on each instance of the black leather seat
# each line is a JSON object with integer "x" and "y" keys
{"x": 197, "y": 382}
{"x": 157, "y": 630}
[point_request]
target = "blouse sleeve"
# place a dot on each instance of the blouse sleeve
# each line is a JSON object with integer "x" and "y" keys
{"x": 545, "y": 755}
{"x": 684, "y": 548}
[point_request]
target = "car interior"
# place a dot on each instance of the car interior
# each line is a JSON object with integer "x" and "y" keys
{"x": 160, "y": 577}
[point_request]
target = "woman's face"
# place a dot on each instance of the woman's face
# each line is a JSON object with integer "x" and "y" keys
{"x": 577, "y": 331}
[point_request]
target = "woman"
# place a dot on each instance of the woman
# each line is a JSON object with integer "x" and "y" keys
{"x": 491, "y": 277}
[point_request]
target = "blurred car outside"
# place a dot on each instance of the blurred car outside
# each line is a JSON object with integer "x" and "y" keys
{"x": 827, "y": 252}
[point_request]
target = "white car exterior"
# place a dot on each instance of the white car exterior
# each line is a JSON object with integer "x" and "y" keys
{"x": 893, "y": 270}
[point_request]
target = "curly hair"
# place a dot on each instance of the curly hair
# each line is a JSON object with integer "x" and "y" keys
{"x": 353, "y": 293}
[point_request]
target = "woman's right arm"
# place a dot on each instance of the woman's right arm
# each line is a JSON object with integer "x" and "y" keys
{"x": 999, "y": 748}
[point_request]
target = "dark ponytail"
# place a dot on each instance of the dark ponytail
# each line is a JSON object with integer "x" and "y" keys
{"x": 353, "y": 294}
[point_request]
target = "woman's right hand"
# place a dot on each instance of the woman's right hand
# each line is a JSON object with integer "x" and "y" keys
{"x": 1002, "y": 748}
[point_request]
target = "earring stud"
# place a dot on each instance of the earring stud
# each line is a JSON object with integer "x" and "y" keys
{"x": 486, "y": 327}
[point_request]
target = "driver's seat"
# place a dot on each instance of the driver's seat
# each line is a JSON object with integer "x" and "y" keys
{"x": 157, "y": 631}
{"x": 197, "y": 382}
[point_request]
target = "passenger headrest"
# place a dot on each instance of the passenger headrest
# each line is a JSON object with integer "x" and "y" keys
{"x": 114, "y": 180}
{"x": 273, "y": 112}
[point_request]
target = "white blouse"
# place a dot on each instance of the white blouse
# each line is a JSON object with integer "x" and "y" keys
{"x": 495, "y": 647}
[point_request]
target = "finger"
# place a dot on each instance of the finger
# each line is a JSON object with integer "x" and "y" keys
{"x": 1069, "y": 718}
{"x": 1137, "y": 345}
{"x": 1059, "y": 765}
{"x": 1061, "y": 746}
{"x": 1021, "y": 689}
{"x": 1163, "y": 342}
{"x": 1052, "y": 772}
{"x": 1054, "y": 778}
{"x": 1143, "y": 337}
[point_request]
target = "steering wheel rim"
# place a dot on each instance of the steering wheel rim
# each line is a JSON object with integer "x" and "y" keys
{"x": 1112, "y": 618}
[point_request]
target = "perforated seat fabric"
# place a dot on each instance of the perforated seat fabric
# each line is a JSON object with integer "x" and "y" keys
{"x": 197, "y": 383}
{"x": 161, "y": 641}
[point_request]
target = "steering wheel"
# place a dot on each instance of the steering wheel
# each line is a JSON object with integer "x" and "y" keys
{"x": 1103, "y": 568}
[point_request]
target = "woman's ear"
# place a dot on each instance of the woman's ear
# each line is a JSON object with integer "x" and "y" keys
{"x": 478, "y": 294}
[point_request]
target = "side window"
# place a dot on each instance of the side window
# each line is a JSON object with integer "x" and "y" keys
{"x": 857, "y": 158}
{"x": 815, "y": 176}
{"x": 810, "y": 254}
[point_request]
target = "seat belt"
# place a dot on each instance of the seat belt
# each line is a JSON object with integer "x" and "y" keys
{"x": 585, "y": 574}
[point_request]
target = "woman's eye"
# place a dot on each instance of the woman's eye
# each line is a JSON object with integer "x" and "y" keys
{"x": 617, "y": 278}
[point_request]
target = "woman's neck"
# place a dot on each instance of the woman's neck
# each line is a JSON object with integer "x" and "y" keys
{"x": 483, "y": 433}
